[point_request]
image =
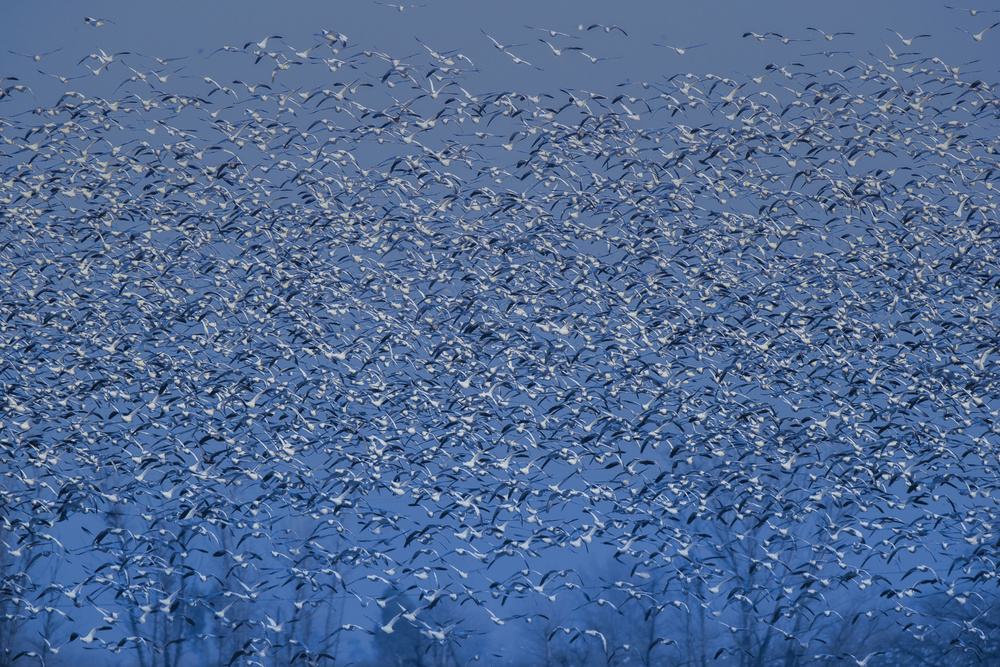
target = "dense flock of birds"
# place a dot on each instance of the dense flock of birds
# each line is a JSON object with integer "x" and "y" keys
{"x": 286, "y": 344}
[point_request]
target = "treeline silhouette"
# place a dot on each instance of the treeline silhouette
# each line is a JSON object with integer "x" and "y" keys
{"x": 656, "y": 629}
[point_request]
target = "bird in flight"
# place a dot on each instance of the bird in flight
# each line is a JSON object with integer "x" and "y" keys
{"x": 262, "y": 43}
{"x": 498, "y": 45}
{"x": 829, "y": 37}
{"x": 597, "y": 59}
{"x": 552, "y": 33}
{"x": 979, "y": 35}
{"x": 680, "y": 51}
{"x": 399, "y": 8}
{"x": 559, "y": 52}
{"x": 35, "y": 56}
{"x": 972, "y": 12}
{"x": 605, "y": 28}
{"x": 772, "y": 35}
{"x": 904, "y": 40}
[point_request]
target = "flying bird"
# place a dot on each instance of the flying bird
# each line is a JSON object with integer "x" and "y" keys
{"x": 36, "y": 56}
{"x": 907, "y": 41}
{"x": 559, "y": 52}
{"x": 606, "y": 28}
{"x": 680, "y": 51}
{"x": 973, "y": 12}
{"x": 982, "y": 33}
{"x": 552, "y": 33}
{"x": 829, "y": 37}
{"x": 399, "y": 8}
